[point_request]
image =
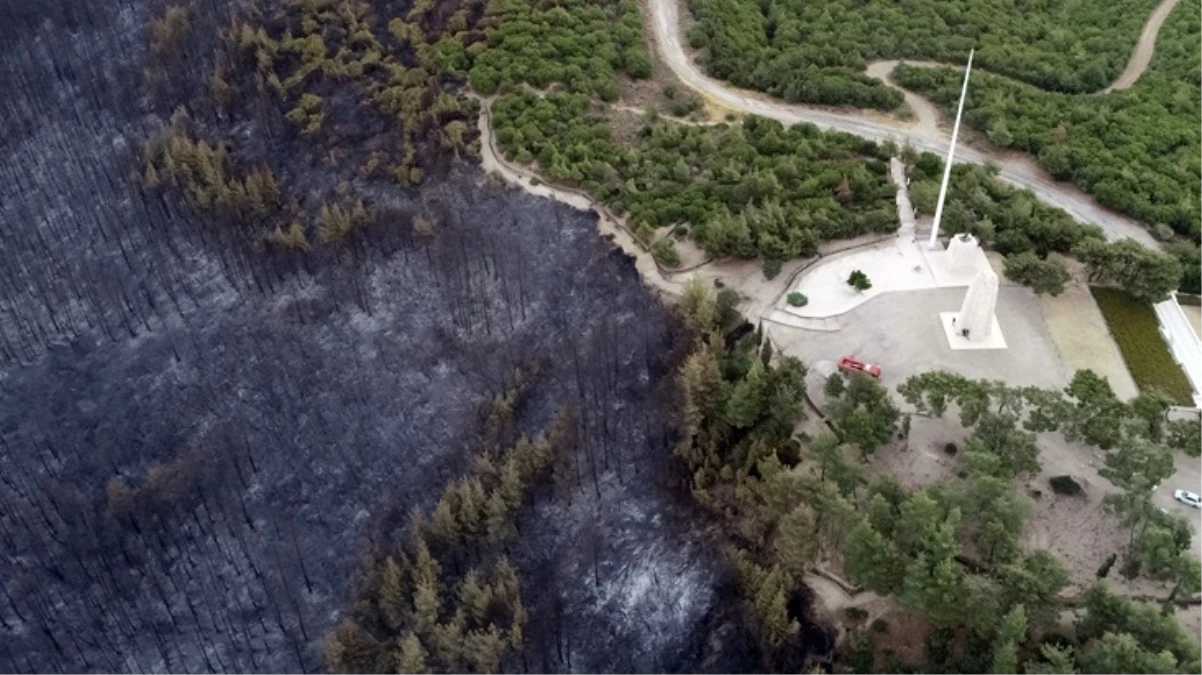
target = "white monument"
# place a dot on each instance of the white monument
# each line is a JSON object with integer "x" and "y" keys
{"x": 962, "y": 253}
{"x": 975, "y": 326}
{"x": 933, "y": 244}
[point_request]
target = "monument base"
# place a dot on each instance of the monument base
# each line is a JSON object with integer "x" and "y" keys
{"x": 948, "y": 277}
{"x": 958, "y": 342}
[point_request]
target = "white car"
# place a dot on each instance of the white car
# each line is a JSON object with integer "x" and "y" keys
{"x": 1188, "y": 498}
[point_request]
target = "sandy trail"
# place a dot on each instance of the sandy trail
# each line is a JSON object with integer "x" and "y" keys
{"x": 608, "y": 224}
{"x": 1014, "y": 168}
{"x": 1141, "y": 56}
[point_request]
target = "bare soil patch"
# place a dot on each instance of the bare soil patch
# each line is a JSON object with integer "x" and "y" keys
{"x": 624, "y": 124}
{"x": 921, "y": 460}
{"x": 1080, "y": 335}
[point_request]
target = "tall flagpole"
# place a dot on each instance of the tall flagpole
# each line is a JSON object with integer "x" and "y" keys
{"x": 951, "y": 151}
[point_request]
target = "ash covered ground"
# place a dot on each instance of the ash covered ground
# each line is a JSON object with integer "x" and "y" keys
{"x": 276, "y": 415}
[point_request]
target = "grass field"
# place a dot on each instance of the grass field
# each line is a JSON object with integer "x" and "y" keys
{"x": 1137, "y": 332}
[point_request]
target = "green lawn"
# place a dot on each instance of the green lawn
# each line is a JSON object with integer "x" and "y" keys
{"x": 1137, "y": 332}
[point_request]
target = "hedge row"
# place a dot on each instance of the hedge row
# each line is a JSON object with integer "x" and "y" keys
{"x": 1137, "y": 332}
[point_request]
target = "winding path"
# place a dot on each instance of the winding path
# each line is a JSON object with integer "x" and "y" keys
{"x": 1141, "y": 56}
{"x": 1014, "y": 168}
{"x": 492, "y": 160}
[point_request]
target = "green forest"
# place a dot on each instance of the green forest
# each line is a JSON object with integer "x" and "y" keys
{"x": 578, "y": 43}
{"x": 1137, "y": 151}
{"x": 949, "y": 552}
{"x": 814, "y": 51}
{"x": 751, "y": 189}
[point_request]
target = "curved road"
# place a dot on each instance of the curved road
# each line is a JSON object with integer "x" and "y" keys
{"x": 1016, "y": 169}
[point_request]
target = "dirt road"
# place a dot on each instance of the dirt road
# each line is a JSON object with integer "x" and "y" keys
{"x": 1141, "y": 56}
{"x": 492, "y": 161}
{"x": 1015, "y": 169}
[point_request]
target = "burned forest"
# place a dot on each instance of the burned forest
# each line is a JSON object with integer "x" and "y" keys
{"x": 288, "y": 384}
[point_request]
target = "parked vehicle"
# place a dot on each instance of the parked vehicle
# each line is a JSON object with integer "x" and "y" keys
{"x": 1188, "y": 498}
{"x": 849, "y": 365}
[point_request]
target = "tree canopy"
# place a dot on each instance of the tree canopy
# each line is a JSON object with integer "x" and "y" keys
{"x": 813, "y": 51}
{"x": 751, "y": 189}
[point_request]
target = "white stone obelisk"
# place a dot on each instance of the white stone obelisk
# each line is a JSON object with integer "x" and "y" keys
{"x": 975, "y": 320}
{"x": 963, "y": 253}
{"x": 951, "y": 152}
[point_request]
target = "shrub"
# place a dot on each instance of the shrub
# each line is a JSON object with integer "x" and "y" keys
{"x": 771, "y": 268}
{"x": 1130, "y": 568}
{"x": 950, "y": 448}
{"x": 1042, "y": 276}
{"x": 797, "y": 299}
{"x": 880, "y": 626}
{"x": 680, "y": 231}
{"x": 665, "y": 252}
{"x": 835, "y": 385}
{"x": 645, "y": 234}
{"x": 789, "y": 454}
{"x": 859, "y": 281}
{"x": 1105, "y": 568}
{"x": 1135, "y": 328}
{"x": 855, "y": 614}
{"x": 1065, "y": 485}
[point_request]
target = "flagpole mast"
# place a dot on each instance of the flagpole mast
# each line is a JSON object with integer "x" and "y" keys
{"x": 951, "y": 151}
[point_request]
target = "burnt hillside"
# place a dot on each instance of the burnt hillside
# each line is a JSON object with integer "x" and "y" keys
{"x": 202, "y": 437}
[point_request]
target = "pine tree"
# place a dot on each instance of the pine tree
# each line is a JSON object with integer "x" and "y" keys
{"x": 444, "y": 525}
{"x": 511, "y": 484}
{"x": 766, "y": 354}
{"x": 1011, "y": 632}
{"x": 497, "y": 520}
{"x": 772, "y": 611}
{"x": 472, "y": 503}
{"x": 412, "y": 656}
{"x": 484, "y": 649}
{"x": 394, "y": 594}
{"x": 698, "y": 307}
{"x": 475, "y": 596}
{"x": 426, "y": 600}
{"x": 872, "y": 561}
{"x": 746, "y": 400}
{"x": 795, "y": 545}
{"x": 934, "y": 589}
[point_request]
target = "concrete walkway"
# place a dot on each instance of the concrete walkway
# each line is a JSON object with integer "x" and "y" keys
{"x": 903, "y": 264}
{"x": 896, "y": 266}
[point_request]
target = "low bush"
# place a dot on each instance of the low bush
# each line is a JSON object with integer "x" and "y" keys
{"x": 950, "y": 448}
{"x": 771, "y": 268}
{"x": 855, "y": 614}
{"x": 1131, "y": 568}
{"x": 665, "y": 252}
{"x": 1064, "y": 485}
{"x": 1136, "y": 330}
{"x": 797, "y": 299}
